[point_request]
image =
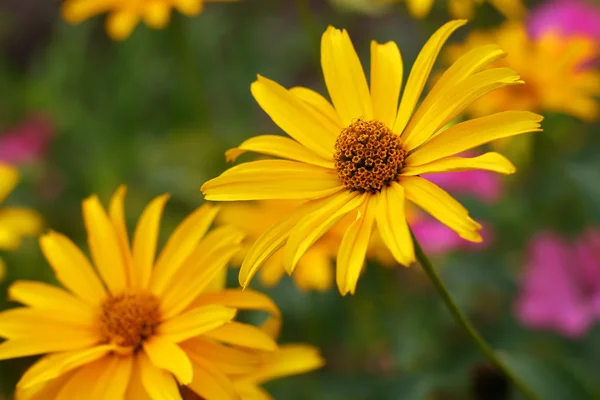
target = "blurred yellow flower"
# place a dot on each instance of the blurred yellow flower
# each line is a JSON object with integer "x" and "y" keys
{"x": 289, "y": 359}
{"x": 124, "y": 15}
{"x": 363, "y": 155}
{"x": 15, "y": 222}
{"x": 554, "y": 67}
{"x": 457, "y": 8}
{"x": 134, "y": 327}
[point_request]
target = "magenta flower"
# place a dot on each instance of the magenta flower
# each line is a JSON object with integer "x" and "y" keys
{"x": 437, "y": 239}
{"x": 26, "y": 142}
{"x": 482, "y": 185}
{"x": 567, "y": 17}
{"x": 561, "y": 284}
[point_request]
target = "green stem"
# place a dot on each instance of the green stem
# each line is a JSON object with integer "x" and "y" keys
{"x": 485, "y": 348}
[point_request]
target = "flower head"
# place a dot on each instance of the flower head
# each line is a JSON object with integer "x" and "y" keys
{"x": 561, "y": 283}
{"x": 15, "y": 222}
{"x": 131, "y": 325}
{"x": 551, "y": 64}
{"x": 362, "y": 156}
{"x": 126, "y": 14}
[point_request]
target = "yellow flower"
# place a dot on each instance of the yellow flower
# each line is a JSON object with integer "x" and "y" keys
{"x": 363, "y": 155}
{"x": 134, "y": 327}
{"x": 460, "y": 8}
{"x": 553, "y": 67}
{"x": 125, "y": 14}
{"x": 15, "y": 222}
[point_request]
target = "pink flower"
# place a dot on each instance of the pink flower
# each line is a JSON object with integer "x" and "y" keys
{"x": 26, "y": 142}
{"x": 561, "y": 284}
{"x": 567, "y": 17}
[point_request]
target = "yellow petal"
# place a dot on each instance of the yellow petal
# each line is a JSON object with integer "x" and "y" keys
{"x": 227, "y": 359}
{"x": 440, "y": 205}
{"x": 54, "y": 365}
{"x": 393, "y": 226}
{"x": 353, "y": 249}
{"x": 493, "y": 162}
{"x": 2, "y": 270}
{"x": 117, "y": 371}
{"x": 470, "y": 63}
{"x": 9, "y": 177}
{"x": 157, "y": 13}
{"x": 455, "y": 101}
{"x": 279, "y": 146}
{"x": 344, "y": 77}
{"x": 419, "y": 8}
{"x": 196, "y": 322}
{"x": 158, "y": 383}
{"x": 314, "y": 225}
{"x": 473, "y": 133}
{"x": 289, "y": 359}
{"x": 120, "y": 24}
{"x": 48, "y": 342}
{"x": 245, "y": 300}
{"x": 76, "y": 11}
{"x": 243, "y": 335}
{"x": 136, "y": 389}
{"x": 31, "y": 322}
{"x": 420, "y": 73}
{"x": 272, "y": 240}
{"x": 168, "y": 356}
{"x": 116, "y": 212}
{"x": 272, "y": 270}
{"x": 314, "y": 271}
{"x": 189, "y": 7}
{"x": 461, "y": 8}
{"x": 81, "y": 384}
{"x": 104, "y": 245}
{"x": 180, "y": 245}
{"x": 45, "y": 390}
{"x": 293, "y": 116}
{"x": 386, "y": 81}
{"x": 49, "y": 298}
{"x": 144, "y": 241}
{"x": 203, "y": 266}
{"x": 272, "y": 179}
{"x": 514, "y": 9}
{"x": 22, "y": 221}
{"x": 72, "y": 267}
{"x": 250, "y": 390}
{"x": 321, "y": 106}
{"x": 210, "y": 383}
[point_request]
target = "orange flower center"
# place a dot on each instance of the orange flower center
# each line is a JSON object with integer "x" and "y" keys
{"x": 368, "y": 156}
{"x": 128, "y": 319}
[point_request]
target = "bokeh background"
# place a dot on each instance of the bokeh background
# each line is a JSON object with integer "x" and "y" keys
{"x": 157, "y": 111}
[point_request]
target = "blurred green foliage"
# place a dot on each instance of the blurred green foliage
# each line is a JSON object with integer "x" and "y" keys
{"x": 157, "y": 112}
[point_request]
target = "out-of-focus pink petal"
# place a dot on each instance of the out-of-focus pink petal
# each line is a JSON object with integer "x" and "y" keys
{"x": 551, "y": 296}
{"x": 483, "y": 185}
{"x": 27, "y": 142}
{"x": 438, "y": 239}
{"x": 567, "y": 17}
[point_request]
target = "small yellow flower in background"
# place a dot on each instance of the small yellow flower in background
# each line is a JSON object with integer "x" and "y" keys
{"x": 554, "y": 67}
{"x": 15, "y": 222}
{"x": 363, "y": 156}
{"x": 457, "y": 8}
{"x": 134, "y": 327}
{"x": 315, "y": 269}
{"x": 124, "y": 15}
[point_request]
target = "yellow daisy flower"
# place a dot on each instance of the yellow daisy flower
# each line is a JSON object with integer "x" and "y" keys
{"x": 460, "y": 8}
{"x": 134, "y": 327}
{"x": 126, "y": 14}
{"x": 363, "y": 155}
{"x": 15, "y": 222}
{"x": 553, "y": 67}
